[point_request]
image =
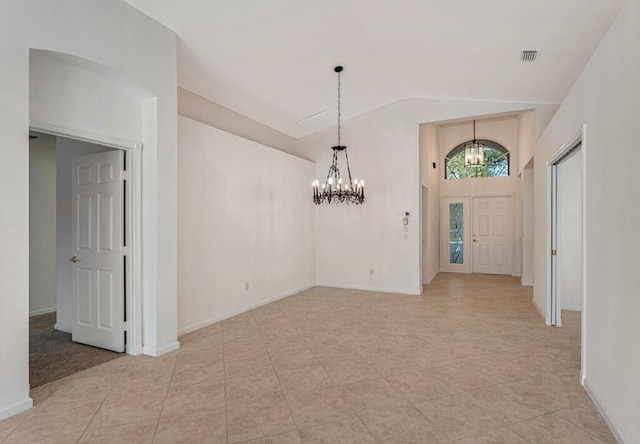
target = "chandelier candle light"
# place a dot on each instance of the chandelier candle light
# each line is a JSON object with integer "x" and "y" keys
{"x": 474, "y": 151}
{"x": 336, "y": 190}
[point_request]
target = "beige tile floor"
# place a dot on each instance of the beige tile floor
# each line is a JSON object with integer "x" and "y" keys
{"x": 469, "y": 362}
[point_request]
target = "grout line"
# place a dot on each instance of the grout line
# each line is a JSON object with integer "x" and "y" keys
{"x": 277, "y": 376}
{"x": 175, "y": 364}
{"x": 224, "y": 380}
{"x": 105, "y": 399}
{"x": 578, "y": 425}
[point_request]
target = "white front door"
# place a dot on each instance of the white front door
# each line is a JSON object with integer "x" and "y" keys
{"x": 455, "y": 234}
{"x": 492, "y": 238}
{"x": 97, "y": 233}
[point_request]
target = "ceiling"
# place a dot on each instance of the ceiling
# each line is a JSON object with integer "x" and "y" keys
{"x": 273, "y": 60}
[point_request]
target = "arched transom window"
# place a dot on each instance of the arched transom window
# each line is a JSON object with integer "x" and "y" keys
{"x": 496, "y": 162}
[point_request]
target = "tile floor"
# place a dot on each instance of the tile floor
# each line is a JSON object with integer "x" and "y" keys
{"x": 468, "y": 362}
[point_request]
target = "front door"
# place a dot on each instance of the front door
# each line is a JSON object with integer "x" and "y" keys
{"x": 97, "y": 233}
{"x": 492, "y": 239}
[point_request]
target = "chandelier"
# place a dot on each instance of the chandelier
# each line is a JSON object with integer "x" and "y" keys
{"x": 474, "y": 151}
{"x": 335, "y": 189}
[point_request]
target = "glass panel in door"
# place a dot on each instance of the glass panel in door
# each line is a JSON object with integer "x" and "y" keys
{"x": 456, "y": 233}
{"x": 455, "y": 238}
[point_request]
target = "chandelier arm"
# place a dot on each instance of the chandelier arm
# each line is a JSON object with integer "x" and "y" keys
{"x": 346, "y": 156}
{"x": 333, "y": 167}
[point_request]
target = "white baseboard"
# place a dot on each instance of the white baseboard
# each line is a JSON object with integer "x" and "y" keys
{"x": 134, "y": 351}
{"x": 63, "y": 327}
{"x": 431, "y": 278}
{"x": 603, "y": 411}
{"x": 367, "y": 288}
{"x": 155, "y": 352}
{"x": 526, "y": 281}
{"x": 539, "y": 310}
{"x": 243, "y": 309}
{"x": 42, "y": 311}
{"x": 572, "y": 307}
{"x": 16, "y": 408}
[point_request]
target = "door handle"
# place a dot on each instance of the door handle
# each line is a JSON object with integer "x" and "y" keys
{"x": 475, "y": 240}
{"x": 74, "y": 259}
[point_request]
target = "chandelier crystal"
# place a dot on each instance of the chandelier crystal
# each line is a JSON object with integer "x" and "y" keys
{"x": 335, "y": 189}
{"x": 474, "y": 151}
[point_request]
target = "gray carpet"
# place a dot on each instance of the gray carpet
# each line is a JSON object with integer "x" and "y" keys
{"x": 52, "y": 354}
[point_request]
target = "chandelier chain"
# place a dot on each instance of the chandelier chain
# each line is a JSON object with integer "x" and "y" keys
{"x": 338, "y": 108}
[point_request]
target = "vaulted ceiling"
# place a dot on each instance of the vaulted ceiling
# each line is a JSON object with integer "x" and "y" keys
{"x": 273, "y": 60}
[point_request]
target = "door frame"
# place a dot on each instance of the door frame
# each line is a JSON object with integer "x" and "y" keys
{"x": 553, "y": 304}
{"x": 425, "y": 224}
{"x": 133, "y": 222}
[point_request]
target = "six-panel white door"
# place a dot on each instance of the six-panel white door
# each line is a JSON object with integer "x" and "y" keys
{"x": 97, "y": 232}
{"x": 492, "y": 238}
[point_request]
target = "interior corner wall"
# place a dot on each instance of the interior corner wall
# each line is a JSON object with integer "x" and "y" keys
{"x": 66, "y": 150}
{"x": 198, "y": 108}
{"x": 96, "y": 31}
{"x": 430, "y": 154}
{"x": 526, "y": 139}
{"x": 607, "y": 98}
{"x": 527, "y": 226}
{"x": 246, "y": 225}
{"x": 42, "y": 225}
{"x": 384, "y": 151}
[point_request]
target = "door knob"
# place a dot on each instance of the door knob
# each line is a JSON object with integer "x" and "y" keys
{"x": 475, "y": 240}
{"x": 74, "y": 259}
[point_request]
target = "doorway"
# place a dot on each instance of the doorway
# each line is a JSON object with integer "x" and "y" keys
{"x": 53, "y": 300}
{"x": 566, "y": 234}
{"x": 476, "y": 235}
{"x": 70, "y": 273}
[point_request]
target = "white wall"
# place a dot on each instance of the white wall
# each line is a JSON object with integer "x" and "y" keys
{"x": 607, "y": 98}
{"x": 60, "y": 85}
{"x": 383, "y": 150}
{"x": 100, "y": 32}
{"x": 42, "y": 225}
{"x": 526, "y": 139}
{"x": 198, "y": 108}
{"x": 569, "y": 259}
{"x": 430, "y": 154}
{"x": 245, "y": 217}
{"x": 527, "y": 225}
{"x": 66, "y": 149}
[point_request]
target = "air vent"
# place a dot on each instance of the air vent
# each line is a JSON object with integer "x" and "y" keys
{"x": 529, "y": 55}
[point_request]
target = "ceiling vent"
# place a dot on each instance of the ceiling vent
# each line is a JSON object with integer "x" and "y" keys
{"x": 529, "y": 55}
